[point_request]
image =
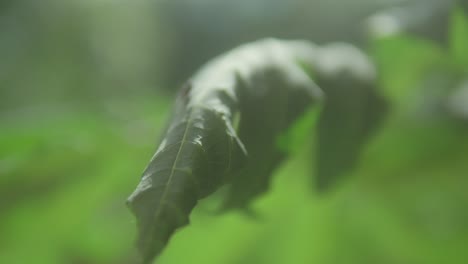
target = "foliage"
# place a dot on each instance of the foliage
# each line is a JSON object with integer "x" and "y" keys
{"x": 65, "y": 170}
{"x": 266, "y": 88}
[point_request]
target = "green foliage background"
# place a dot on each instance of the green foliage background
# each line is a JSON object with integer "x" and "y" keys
{"x": 79, "y": 121}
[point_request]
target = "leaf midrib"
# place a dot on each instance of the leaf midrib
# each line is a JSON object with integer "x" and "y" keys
{"x": 173, "y": 169}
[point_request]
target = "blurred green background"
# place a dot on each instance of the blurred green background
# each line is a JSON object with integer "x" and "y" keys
{"x": 86, "y": 86}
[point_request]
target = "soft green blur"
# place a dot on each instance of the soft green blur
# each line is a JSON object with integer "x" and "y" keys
{"x": 86, "y": 87}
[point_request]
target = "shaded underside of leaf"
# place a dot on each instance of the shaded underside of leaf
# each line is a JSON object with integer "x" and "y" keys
{"x": 353, "y": 111}
{"x": 263, "y": 120}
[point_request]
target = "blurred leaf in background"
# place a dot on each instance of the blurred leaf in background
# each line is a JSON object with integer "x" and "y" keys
{"x": 459, "y": 36}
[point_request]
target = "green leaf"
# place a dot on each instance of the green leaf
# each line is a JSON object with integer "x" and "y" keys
{"x": 200, "y": 151}
{"x": 191, "y": 162}
{"x": 459, "y": 37}
{"x": 351, "y": 114}
{"x": 402, "y": 61}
